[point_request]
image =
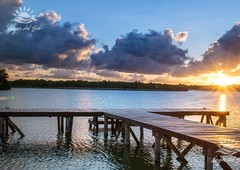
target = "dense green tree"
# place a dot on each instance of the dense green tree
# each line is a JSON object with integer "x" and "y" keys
{"x": 4, "y": 84}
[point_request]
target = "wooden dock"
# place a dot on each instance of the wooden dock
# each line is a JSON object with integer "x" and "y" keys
{"x": 206, "y": 114}
{"x": 61, "y": 114}
{"x": 215, "y": 140}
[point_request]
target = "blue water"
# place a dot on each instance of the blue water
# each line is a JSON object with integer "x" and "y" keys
{"x": 41, "y": 148}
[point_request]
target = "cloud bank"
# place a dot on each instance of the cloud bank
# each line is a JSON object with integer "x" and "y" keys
{"x": 222, "y": 55}
{"x": 7, "y": 8}
{"x": 150, "y": 53}
{"x": 53, "y": 46}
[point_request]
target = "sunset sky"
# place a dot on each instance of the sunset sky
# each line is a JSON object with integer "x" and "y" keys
{"x": 159, "y": 41}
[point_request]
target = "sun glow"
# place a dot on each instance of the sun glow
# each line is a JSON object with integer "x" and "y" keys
{"x": 223, "y": 80}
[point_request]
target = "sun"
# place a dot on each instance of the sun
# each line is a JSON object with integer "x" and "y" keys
{"x": 223, "y": 80}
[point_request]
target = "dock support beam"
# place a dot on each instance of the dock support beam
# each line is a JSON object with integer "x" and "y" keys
{"x": 5, "y": 122}
{"x": 2, "y": 126}
{"x": 127, "y": 134}
{"x": 60, "y": 122}
{"x": 105, "y": 127}
{"x": 141, "y": 133}
{"x": 208, "y": 159}
{"x": 68, "y": 126}
{"x": 157, "y": 147}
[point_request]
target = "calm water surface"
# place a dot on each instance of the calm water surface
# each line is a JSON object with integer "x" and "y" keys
{"x": 43, "y": 149}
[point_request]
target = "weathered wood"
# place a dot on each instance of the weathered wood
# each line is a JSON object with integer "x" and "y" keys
{"x": 208, "y": 159}
{"x": 49, "y": 112}
{"x": 112, "y": 126}
{"x": 208, "y": 119}
{"x": 58, "y": 125}
{"x": 187, "y": 149}
{"x": 127, "y": 134}
{"x": 15, "y": 127}
{"x": 68, "y": 126}
{"x": 169, "y": 142}
{"x": 134, "y": 136}
{"x": 181, "y": 113}
{"x": 195, "y": 133}
{"x": 105, "y": 126}
{"x": 202, "y": 118}
{"x": 1, "y": 126}
{"x": 6, "y": 124}
{"x": 62, "y": 124}
{"x": 96, "y": 122}
{"x": 222, "y": 163}
{"x": 10, "y": 126}
{"x": 141, "y": 132}
{"x": 157, "y": 147}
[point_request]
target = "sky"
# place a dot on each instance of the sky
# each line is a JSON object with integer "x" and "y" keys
{"x": 159, "y": 41}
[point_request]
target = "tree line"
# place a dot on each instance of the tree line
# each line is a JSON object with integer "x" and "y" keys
{"x": 79, "y": 84}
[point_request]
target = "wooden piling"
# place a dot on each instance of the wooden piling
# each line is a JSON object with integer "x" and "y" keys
{"x": 141, "y": 132}
{"x": 62, "y": 124}
{"x": 127, "y": 134}
{"x": 1, "y": 126}
{"x": 105, "y": 126}
{"x": 157, "y": 147}
{"x": 59, "y": 125}
{"x": 208, "y": 159}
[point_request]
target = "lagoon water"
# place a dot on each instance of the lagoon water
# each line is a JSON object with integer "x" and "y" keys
{"x": 41, "y": 148}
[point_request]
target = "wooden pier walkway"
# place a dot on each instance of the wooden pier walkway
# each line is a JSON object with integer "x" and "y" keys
{"x": 61, "y": 114}
{"x": 204, "y": 113}
{"x": 215, "y": 140}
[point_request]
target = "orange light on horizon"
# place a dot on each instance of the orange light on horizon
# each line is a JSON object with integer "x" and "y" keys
{"x": 221, "y": 79}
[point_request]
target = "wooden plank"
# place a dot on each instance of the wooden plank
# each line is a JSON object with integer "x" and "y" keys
{"x": 182, "y": 129}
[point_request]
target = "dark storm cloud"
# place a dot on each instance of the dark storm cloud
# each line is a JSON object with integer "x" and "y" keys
{"x": 150, "y": 53}
{"x": 54, "y": 45}
{"x": 223, "y": 55}
{"x": 7, "y": 7}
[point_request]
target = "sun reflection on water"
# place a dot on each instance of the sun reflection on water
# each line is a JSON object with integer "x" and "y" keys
{"x": 222, "y": 102}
